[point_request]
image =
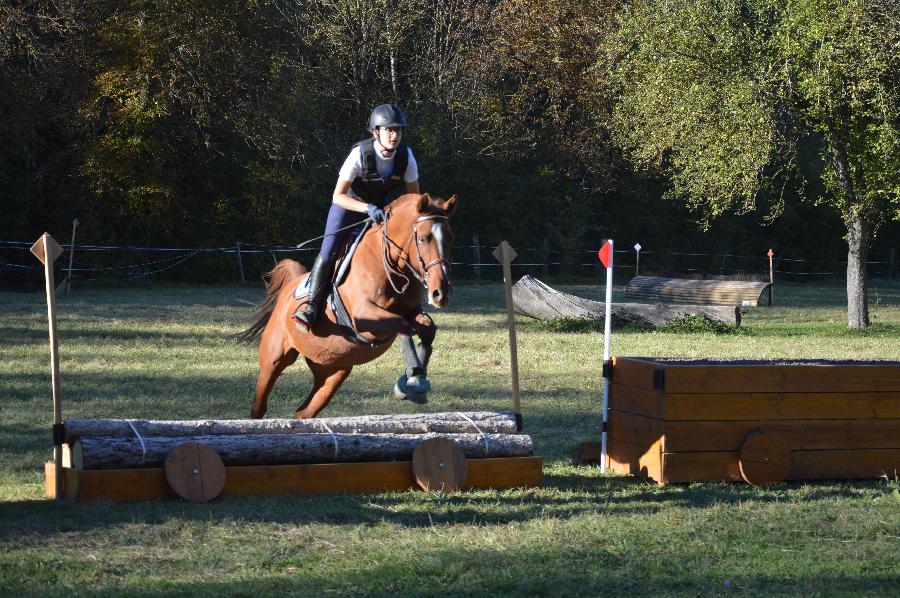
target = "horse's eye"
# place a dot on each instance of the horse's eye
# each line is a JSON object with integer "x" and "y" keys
{"x": 422, "y": 240}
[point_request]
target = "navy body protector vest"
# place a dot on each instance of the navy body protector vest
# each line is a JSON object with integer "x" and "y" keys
{"x": 369, "y": 186}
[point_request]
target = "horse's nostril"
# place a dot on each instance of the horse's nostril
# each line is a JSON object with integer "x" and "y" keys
{"x": 436, "y": 295}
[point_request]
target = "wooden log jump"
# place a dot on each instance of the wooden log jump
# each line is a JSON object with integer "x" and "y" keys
{"x": 198, "y": 460}
{"x": 277, "y": 449}
{"x": 489, "y": 422}
{"x": 535, "y": 299}
{"x": 701, "y": 292}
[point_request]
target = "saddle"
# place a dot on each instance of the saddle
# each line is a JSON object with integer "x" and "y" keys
{"x": 344, "y": 321}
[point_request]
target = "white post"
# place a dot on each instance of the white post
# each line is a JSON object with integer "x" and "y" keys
{"x": 607, "y": 328}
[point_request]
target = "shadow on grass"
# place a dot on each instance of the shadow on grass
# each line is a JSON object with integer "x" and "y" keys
{"x": 561, "y": 497}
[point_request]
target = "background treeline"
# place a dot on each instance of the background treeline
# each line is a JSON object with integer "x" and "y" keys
{"x": 197, "y": 124}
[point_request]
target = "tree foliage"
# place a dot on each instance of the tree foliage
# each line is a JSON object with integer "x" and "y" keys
{"x": 723, "y": 97}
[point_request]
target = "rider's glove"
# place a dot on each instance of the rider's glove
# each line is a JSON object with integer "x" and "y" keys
{"x": 376, "y": 213}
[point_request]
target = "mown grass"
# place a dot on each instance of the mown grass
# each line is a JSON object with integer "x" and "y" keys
{"x": 164, "y": 353}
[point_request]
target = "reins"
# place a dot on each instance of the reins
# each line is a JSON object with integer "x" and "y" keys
{"x": 403, "y": 260}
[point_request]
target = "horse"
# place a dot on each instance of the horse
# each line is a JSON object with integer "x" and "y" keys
{"x": 396, "y": 264}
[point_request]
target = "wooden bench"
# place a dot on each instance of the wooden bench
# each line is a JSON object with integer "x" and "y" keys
{"x": 702, "y": 292}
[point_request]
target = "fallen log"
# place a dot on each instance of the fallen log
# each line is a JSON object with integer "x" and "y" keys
{"x": 534, "y": 299}
{"x": 284, "y": 449}
{"x": 489, "y": 422}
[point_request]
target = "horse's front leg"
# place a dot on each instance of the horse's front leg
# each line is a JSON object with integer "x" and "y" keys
{"x": 413, "y": 383}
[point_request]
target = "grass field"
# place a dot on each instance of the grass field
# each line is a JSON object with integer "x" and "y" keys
{"x": 164, "y": 353}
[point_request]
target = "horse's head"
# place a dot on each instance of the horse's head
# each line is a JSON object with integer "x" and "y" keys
{"x": 422, "y": 222}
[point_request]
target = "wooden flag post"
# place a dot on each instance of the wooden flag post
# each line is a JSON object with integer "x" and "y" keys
{"x": 71, "y": 257}
{"x": 637, "y": 258}
{"x": 771, "y": 275}
{"x": 505, "y": 254}
{"x": 606, "y": 256}
{"x": 46, "y": 249}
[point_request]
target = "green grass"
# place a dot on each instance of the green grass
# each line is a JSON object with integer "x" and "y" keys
{"x": 163, "y": 353}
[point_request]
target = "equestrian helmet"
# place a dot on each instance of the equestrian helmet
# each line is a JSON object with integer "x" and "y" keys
{"x": 387, "y": 115}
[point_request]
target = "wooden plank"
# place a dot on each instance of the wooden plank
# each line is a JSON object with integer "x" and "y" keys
{"x": 634, "y": 429}
{"x": 262, "y": 480}
{"x": 641, "y": 461}
{"x": 762, "y": 406}
{"x": 634, "y": 371}
{"x": 804, "y": 434}
{"x": 700, "y": 467}
{"x": 721, "y": 378}
{"x": 824, "y": 465}
{"x": 805, "y": 465}
{"x": 640, "y": 401}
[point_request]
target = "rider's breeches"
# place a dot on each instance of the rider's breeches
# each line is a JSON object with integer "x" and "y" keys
{"x": 338, "y": 218}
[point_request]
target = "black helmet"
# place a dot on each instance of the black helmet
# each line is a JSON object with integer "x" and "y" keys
{"x": 387, "y": 115}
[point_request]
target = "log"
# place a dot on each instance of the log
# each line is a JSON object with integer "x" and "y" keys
{"x": 489, "y": 422}
{"x": 535, "y": 299}
{"x": 283, "y": 449}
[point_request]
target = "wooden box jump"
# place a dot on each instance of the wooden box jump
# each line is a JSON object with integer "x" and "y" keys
{"x": 677, "y": 420}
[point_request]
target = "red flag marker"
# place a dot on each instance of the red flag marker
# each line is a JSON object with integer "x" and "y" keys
{"x": 604, "y": 254}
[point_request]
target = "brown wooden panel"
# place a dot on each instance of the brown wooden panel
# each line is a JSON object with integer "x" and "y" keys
{"x": 633, "y": 371}
{"x": 770, "y": 406}
{"x": 805, "y": 465}
{"x": 640, "y": 401}
{"x": 690, "y": 436}
{"x": 700, "y": 467}
{"x": 634, "y": 429}
{"x": 641, "y": 461}
{"x": 824, "y": 465}
{"x": 780, "y": 378}
{"x": 262, "y": 480}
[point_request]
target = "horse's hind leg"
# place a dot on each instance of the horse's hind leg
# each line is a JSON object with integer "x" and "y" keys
{"x": 326, "y": 382}
{"x": 273, "y": 359}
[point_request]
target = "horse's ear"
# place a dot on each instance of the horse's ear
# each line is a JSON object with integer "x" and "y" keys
{"x": 424, "y": 200}
{"x": 450, "y": 204}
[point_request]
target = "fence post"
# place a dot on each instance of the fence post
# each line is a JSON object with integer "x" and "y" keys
{"x": 546, "y": 257}
{"x": 240, "y": 261}
{"x": 477, "y": 246}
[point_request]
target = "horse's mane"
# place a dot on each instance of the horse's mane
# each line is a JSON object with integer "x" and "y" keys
{"x": 434, "y": 205}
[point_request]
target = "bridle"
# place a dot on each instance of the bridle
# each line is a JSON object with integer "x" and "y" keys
{"x": 403, "y": 261}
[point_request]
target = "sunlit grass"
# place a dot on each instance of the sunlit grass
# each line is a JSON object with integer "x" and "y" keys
{"x": 165, "y": 353}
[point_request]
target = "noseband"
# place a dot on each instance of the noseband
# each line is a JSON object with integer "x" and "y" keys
{"x": 404, "y": 262}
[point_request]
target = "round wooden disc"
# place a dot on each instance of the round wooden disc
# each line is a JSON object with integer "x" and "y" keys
{"x": 439, "y": 464}
{"x": 765, "y": 458}
{"x": 195, "y": 472}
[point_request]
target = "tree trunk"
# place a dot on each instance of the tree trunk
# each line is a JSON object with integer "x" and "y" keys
{"x": 858, "y": 252}
{"x": 280, "y": 449}
{"x": 489, "y": 422}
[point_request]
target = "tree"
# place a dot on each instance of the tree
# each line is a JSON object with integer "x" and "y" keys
{"x": 722, "y": 96}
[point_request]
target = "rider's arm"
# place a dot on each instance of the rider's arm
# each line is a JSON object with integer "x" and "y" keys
{"x": 343, "y": 200}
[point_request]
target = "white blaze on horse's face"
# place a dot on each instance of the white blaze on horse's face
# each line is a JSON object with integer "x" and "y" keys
{"x": 433, "y": 245}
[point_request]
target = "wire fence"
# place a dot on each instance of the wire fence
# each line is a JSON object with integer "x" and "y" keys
{"x": 244, "y": 262}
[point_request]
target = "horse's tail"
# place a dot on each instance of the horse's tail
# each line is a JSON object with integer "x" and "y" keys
{"x": 283, "y": 271}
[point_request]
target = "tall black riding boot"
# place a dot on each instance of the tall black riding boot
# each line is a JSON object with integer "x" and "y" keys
{"x": 319, "y": 283}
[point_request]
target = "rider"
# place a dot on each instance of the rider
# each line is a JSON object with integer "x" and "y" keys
{"x": 377, "y": 171}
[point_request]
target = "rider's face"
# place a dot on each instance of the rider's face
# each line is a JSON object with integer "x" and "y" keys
{"x": 389, "y": 137}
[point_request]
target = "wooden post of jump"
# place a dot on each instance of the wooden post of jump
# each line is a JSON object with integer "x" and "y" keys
{"x": 71, "y": 258}
{"x": 240, "y": 261}
{"x": 771, "y": 274}
{"x": 46, "y": 249}
{"x": 477, "y": 245}
{"x": 505, "y": 254}
{"x": 637, "y": 258}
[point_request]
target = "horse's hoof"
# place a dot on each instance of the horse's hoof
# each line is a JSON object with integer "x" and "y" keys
{"x": 418, "y": 384}
{"x": 404, "y": 393}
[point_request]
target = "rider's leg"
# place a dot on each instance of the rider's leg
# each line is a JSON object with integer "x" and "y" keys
{"x": 320, "y": 278}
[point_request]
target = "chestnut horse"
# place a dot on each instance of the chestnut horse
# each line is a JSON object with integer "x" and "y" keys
{"x": 394, "y": 264}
